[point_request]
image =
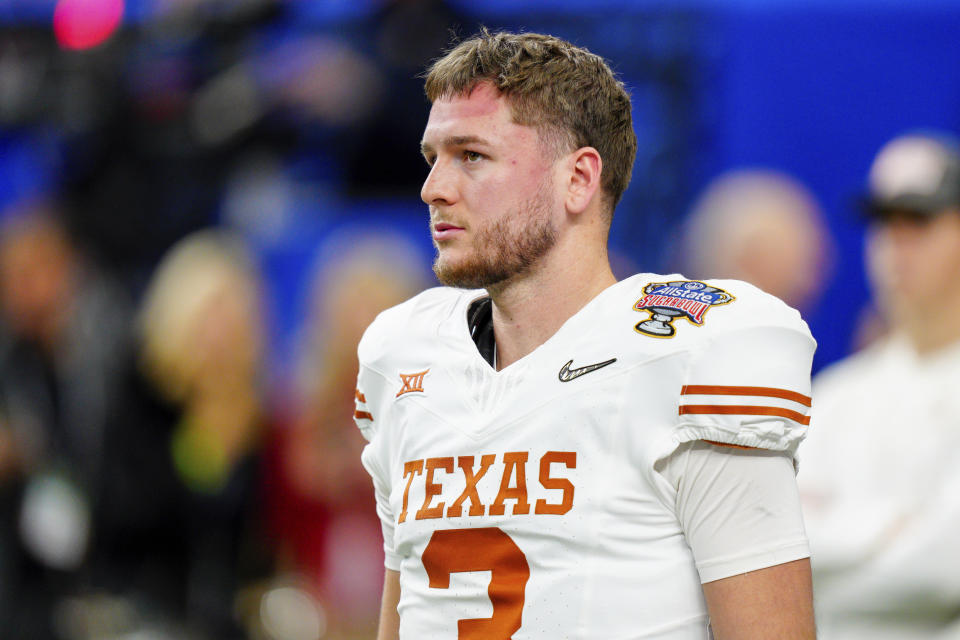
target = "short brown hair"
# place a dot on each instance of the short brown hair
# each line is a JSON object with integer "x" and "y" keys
{"x": 565, "y": 91}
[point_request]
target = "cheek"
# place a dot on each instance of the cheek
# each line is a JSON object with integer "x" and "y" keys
{"x": 940, "y": 257}
{"x": 877, "y": 259}
{"x": 890, "y": 284}
{"x": 513, "y": 182}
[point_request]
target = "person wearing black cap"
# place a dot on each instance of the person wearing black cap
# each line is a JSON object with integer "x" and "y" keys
{"x": 881, "y": 470}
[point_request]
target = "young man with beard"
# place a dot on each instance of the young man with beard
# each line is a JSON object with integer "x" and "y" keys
{"x": 557, "y": 454}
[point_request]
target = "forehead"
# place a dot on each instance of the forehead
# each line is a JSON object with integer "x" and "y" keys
{"x": 484, "y": 112}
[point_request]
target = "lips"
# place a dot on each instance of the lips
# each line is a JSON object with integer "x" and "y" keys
{"x": 445, "y": 230}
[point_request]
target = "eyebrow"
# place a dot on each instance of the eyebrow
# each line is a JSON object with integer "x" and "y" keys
{"x": 454, "y": 141}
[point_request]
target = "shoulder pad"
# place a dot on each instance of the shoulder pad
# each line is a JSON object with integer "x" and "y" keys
{"x": 406, "y": 323}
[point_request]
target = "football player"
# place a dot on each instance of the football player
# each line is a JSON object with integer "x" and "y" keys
{"x": 557, "y": 454}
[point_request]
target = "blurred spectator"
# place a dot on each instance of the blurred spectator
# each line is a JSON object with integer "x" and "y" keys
{"x": 176, "y": 535}
{"x": 63, "y": 338}
{"x": 326, "y": 529}
{"x": 402, "y": 37}
{"x": 880, "y": 472}
{"x": 761, "y": 226}
{"x": 151, "y": 124}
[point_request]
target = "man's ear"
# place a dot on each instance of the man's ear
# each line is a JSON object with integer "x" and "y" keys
{"x": 585, "y": 167}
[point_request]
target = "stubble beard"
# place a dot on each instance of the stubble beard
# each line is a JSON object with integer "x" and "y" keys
{"x": 506, "y": 249}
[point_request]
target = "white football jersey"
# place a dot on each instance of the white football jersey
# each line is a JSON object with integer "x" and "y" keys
{"x": 526, "y": 503}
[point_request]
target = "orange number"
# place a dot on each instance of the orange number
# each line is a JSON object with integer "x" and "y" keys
{"x": 483, "y": 549}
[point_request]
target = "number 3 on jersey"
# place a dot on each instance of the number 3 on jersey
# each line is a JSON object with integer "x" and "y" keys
{"x": 482, "y": 549}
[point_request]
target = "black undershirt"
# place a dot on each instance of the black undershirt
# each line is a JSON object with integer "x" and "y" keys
{"x": 480, "y": 322}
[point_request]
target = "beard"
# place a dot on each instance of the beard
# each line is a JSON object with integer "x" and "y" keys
{"x": 507, "y": 248}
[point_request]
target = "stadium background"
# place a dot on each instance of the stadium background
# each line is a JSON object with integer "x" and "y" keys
{"x": 811, "y": 88}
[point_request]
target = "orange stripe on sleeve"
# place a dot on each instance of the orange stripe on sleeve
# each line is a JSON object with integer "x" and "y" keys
{"x": 770, "y": 392}
{"x": 727, "y": 444}
{"x": 366, "y": 415}
{"x": 360, "y": 396}
{"x": 706, "y": 409}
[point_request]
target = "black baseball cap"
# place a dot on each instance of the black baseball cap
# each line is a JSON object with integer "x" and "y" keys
{"x": 917, "y": 174}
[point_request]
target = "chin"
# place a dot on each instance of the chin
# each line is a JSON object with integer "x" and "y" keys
{"x": 462, "y": 275}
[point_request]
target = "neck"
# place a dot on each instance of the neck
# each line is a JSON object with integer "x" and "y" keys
{"x": 529, "y": 309}
{"x": 928, "y": 322}
{"x": 930, "y": 334}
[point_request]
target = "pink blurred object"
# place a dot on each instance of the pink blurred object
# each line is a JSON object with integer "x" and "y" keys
{"x": 84, "y": 24}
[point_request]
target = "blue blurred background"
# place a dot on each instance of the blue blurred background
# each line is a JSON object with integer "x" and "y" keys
{"x": 810, "y": 88}
{"x": 295, "y": 124}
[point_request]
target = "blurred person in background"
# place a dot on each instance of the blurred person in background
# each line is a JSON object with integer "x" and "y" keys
{"x": 761, "y": 226}
{"x": 402, "y": 37}
{"x": 63, "y": 338}
{"x": 177, "y": 533}
{"x": 881, "y": 470}
{"x": 322, "y": 517}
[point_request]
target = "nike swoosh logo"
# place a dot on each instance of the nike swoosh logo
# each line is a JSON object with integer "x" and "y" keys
{"x": 567, "y": 374}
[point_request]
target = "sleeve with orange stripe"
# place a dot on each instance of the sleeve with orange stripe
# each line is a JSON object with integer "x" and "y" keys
{"x": 749, "y": 387}
{"x": 361, "y": 413}
{"x": 370, "y": 415}
{"x": 368, "y": 397}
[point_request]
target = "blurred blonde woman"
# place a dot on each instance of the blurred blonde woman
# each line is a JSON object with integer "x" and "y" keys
{"x": 177, "y": 517}
{"x": 202, "y": 335}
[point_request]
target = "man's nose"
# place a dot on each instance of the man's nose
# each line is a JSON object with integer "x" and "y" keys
{"x": 439, "y": 187}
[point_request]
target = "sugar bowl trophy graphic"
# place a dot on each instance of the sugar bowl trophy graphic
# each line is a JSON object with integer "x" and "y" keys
{"x": 666, "y": 301}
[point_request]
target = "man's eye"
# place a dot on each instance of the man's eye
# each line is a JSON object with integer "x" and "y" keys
{"x": 471, "y": 156}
